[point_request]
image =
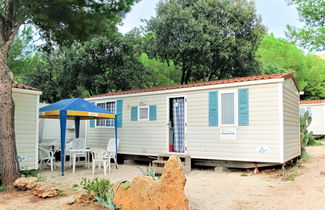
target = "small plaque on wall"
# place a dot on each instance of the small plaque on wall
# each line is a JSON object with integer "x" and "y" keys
{"x": 228, "y": 133}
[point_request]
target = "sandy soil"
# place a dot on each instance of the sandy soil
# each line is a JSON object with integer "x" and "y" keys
{"x": 205, "y": 189}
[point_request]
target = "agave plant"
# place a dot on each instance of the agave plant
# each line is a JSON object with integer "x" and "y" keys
{"x": 151, "y": 171}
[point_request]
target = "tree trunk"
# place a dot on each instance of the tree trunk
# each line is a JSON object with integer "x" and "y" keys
{"x": 9, "y": 167}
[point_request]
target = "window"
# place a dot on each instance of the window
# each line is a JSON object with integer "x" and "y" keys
{"x": 302, "y": 111}
{"x": 109, "y": 106}
{"x": 305, "y": 109}
{"x": 228, "y": 108}
{"x": 143, "y": 113}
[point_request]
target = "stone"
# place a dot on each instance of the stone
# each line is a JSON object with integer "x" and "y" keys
{"x": 82, "y": 197}
{"x": 322, "y": 173}
{"x": 167, "y": 192}
{"x": 27, "y": 183}
{"x": 44, "y": 190}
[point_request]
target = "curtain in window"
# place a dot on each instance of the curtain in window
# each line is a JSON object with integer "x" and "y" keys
{"x": 101, "y": 122}
{"x": 178, "y": 120}
{"x": 110, "y": 106}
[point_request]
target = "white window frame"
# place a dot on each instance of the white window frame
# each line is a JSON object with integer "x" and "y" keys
{"x": 141, "y": 107}
{"x": 102, "y": 102}
{"x": 235, "y": 92}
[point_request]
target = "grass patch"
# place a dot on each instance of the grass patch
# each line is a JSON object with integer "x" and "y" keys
{"x": 244, "y": 174}
{"x": 2, "y": 188}
{"x": 291, "y": 177}
{"x": 30, "y": 173}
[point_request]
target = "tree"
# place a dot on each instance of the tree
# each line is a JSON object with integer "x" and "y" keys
{"x": 59, "y": 22}
{"x": 314, "y": 78}
{"x": 212, "y": 39}
{"x": 24, "y": 54}
{"x": 97, "y": 66}
{"x": 278, "y": 55}
{"x": 312, "y": 35}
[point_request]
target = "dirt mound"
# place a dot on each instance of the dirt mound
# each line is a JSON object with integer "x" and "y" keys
{"x": 164, "y": 193}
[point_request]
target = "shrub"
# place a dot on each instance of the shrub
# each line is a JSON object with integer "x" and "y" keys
{"x": 2, "y": 188}
{"x": 96, "y": 187}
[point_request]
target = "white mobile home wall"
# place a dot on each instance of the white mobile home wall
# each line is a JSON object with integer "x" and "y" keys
{"x": 272, "y": 135}
{"x": 26, "y": 127}
{"x": 317, "y": 110}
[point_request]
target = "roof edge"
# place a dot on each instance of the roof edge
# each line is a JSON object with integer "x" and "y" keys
{"x": 202, "y": 84}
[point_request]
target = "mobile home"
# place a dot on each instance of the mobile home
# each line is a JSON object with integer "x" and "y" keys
{"x": 317, "y": 110}
{"x": 249, "y": 119}
{"x": 26, "y": 124}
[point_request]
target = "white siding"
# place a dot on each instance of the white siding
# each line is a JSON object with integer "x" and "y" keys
{"x": 317, "y": 125}
{"x": 150, "y": 137}
{"x": 26, "y": 116}
{"x": 291, "y": 122}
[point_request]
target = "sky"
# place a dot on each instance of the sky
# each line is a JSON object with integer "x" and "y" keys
{"x": 276, "y": 14}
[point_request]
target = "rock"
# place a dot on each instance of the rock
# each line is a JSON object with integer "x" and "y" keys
{"x": 44, "y": 190}
{"x": 26, "y": 183}
{"x": 83, "y": 197}
{"x": 164, "y": 193}
{"x": 68, "y": 200}
{"x": 322, "y": 173}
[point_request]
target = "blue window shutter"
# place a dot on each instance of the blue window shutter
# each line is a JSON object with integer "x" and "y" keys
{"x": 134, "y": 113}
{"x": 213, "y": 108}
{"x": 92, "y": 122}
{"x": 243, "y": 107}
{"x": 119, "y": 113}
{"x": 153, "y": 112}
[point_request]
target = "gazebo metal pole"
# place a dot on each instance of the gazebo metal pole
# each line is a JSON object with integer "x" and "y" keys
{"x": 116, "y": 136}
{"x": 77, "y": 125}
{"x": 63, "y": 123}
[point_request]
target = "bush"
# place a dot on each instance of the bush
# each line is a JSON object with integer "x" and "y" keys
{"x": 2, "y": 188}
{"x": 97, "y": 187}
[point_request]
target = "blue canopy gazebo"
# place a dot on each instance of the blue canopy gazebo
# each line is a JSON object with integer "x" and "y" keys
{"x": 74, "y": 109}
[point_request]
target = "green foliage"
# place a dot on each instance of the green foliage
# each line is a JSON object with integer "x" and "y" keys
{"x": 243, "y": 175}
{"x": 208, "y": 40}
{"x": 312, "y": 35}
{"x": 2, "y": 188}
{"x": 96, "y": 187}
{"x": 108, "y": 202}
{"x": 150, "y": 171}
{"x": 126, "y": 185}
{"x": 314, "y": 77}
{"x": 30, "y": 173}
{"x": 24, "y": 54}
{"x": 277, "y": 55}
{"x": 161, "y": 73}
{"x": 104, "y": 64}
{"x": 62, "y": 22}
{"x": 306, "y": 137}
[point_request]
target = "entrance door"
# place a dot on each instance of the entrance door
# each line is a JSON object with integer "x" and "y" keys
{"x": 176, "y": 124}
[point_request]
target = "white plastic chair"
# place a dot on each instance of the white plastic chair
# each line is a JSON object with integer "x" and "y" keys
{"x": 99, "y": 157}
{"x": 46, "y": 156}
{"x": 78, "y": 144}
{"x": 111, "y": 152}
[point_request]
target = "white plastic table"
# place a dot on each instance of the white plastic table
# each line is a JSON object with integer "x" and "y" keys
{"x": 77, "y": 151}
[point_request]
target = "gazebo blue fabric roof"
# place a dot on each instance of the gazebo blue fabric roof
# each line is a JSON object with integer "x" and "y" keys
{"x": 74, "y": 109}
